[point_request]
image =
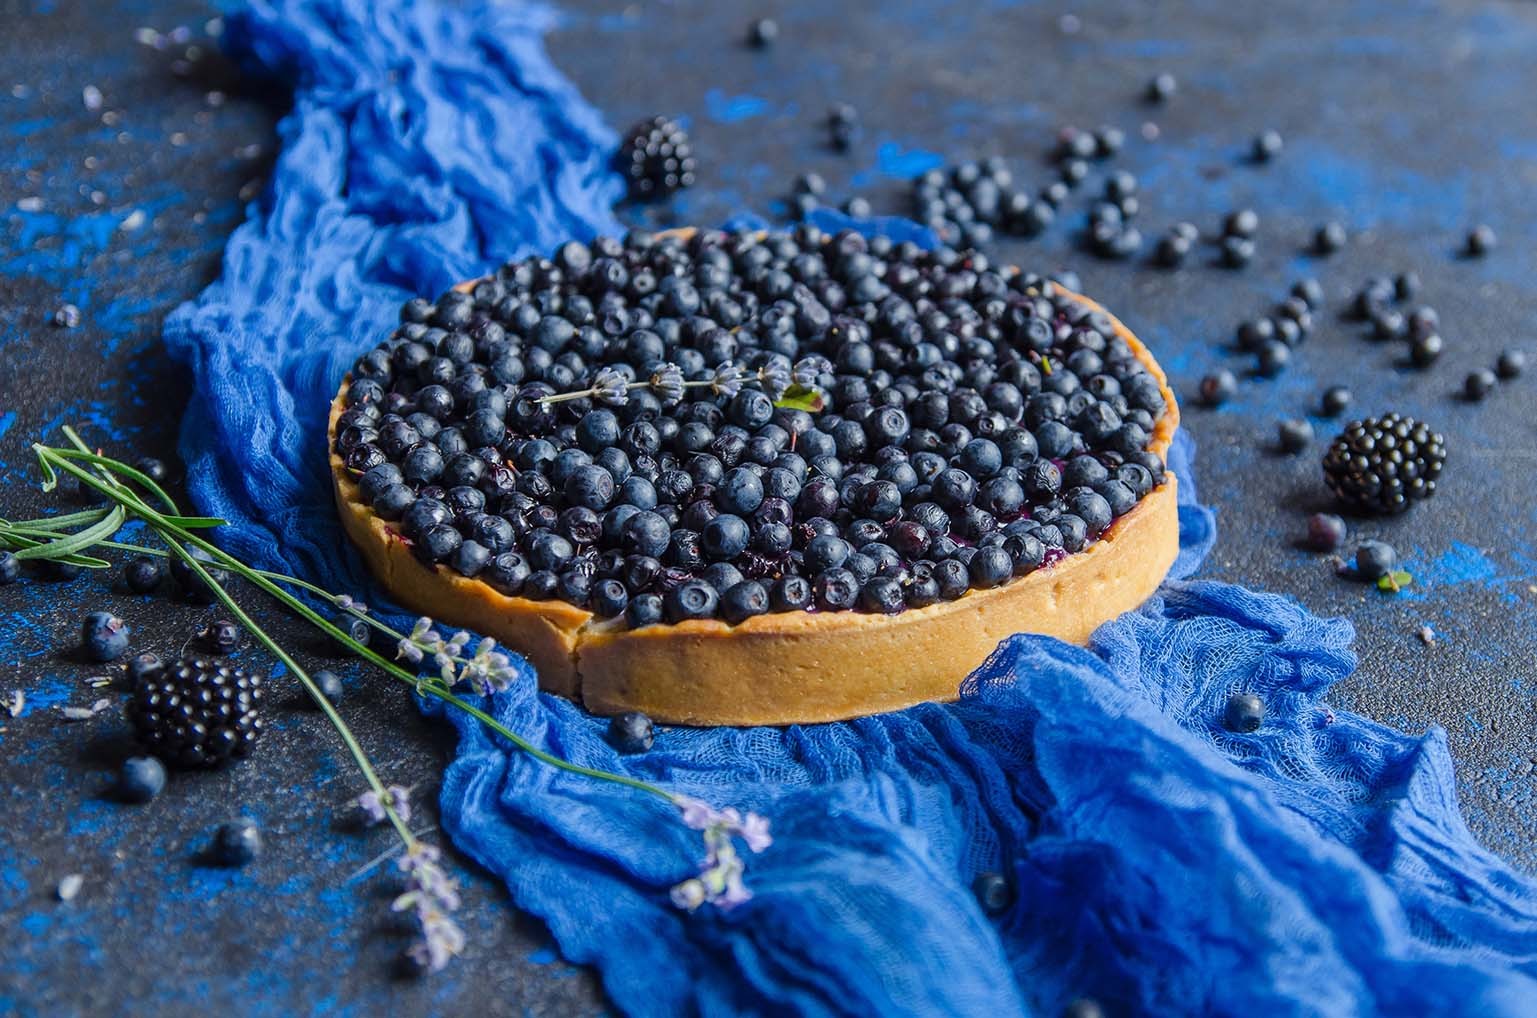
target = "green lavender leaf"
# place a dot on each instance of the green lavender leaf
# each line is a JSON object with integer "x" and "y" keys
{"x": 1395, "y": 581}
{"x": 78, "y": 541}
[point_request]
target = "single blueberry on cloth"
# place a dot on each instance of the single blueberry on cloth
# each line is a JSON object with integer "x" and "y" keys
{"x": 1163, "y": 864}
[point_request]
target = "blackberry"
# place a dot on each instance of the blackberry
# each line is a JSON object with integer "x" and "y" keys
{"x": 1385, "y": 464}
{"x": 197, "y": 713}
{"x": 656, "y": 158}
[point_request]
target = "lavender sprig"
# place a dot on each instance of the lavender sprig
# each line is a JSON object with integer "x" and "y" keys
{"x": 719, "y": 881}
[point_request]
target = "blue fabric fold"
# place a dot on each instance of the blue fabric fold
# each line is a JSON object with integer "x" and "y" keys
{"x": 1163, "y": 864}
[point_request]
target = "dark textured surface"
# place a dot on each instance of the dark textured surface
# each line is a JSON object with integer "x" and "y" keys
{"x": 1407, "y": 121}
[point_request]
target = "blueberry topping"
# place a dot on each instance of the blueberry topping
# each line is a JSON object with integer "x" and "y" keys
{"x": 665, "y": 484}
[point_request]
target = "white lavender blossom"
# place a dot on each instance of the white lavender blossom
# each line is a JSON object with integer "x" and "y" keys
{"x": 727, "y": 380}
{"x": 719, "y": 881}
{"x": 667, "y": 383}
{"x": 808, "y": 370}
{"x": 430, "y": 896}
{"x": 611, "y": 387}
{"x": 775, "y": 378}
{"x": 372, "y": 805}
{"x": 350, "y": 604}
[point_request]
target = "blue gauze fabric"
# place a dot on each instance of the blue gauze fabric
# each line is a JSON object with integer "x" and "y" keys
{"x": 1163, "y": 864}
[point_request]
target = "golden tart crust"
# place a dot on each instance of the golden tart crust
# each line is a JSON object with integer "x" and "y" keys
{"x": 797, "y": 667}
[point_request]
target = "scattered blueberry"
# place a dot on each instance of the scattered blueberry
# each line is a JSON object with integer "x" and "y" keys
{"x": 631, "y": 732}
{"x": 152, "y": 468}
{"x": 1310, "y": 292}
{"x": 1406, "y": 286}
{"x": 842, "y": 126}
{"x": 67, "y": 316}
{"x": 1273, "y": 358}
{"x": 1335, "y": 400}
{"x": 1423, "y": 350}
{"x": 142, "y": 665}
{"x": 1242, "y": 223}
{"x": 1511, "y": 364}
{"x": 354, "y": 627}
{"x": 140, "y": 779}
{"x": 236, "y": 842}
{"x": 1162, "y": 87}
{"x": 104, "y": 636}
{"x": 1385, "y": 464}
{"x": 1294, "y": 434}
{"x": 1237, "y": 252}
{"x": 192, "y": 585}
{"x": 1218, "y": 387}
{"x": 1329, "y": 238}
{"x": 1083, "y": 1007}
{"x": 1326, "y": 532}
{"x": 221, "y": 637}
{"x": 994, "y": 892}
{"x": 10, "y": 568}
{"x": 330, "y": 684}
{"x": 1375, "y": 559}
{"x": 1478, "y": 384}
{"x": 1480, "y": 241}
{"x": 142, "y": 574}
{"x": 763, "y": 33}
{"x": 1267, "y": 145}
{"x": 1245, "y": 713}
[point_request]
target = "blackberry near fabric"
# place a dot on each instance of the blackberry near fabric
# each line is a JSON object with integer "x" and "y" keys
{"x": 657, "y": 158}
{"x": 1384, "y": 465}
{"x": 197, "y": 713}
{"x": 615, "y": 404}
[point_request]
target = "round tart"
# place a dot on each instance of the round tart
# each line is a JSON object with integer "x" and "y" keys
{"x": 740, "y": 479}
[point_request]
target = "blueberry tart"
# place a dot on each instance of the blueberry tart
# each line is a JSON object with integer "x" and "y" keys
{"x": 758, "y": 478}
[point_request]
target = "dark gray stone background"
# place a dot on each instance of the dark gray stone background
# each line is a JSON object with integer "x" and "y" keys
{"x": 1408, "y": 121}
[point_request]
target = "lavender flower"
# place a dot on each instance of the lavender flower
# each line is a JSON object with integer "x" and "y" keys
{"x": 372, "y": 805}
{"x": 808, "y": 369}
{"x": 719, "y": 881}
{"x": 667, "y": 383}
{"x": 727, "y": 380}
{"x": 775, "y": 378}
{"x": 611, "y": 387}
{"x": 430, "y": 896}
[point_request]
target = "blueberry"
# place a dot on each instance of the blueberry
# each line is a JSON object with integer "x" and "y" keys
{"x": 1242, "y": 223}
{"x": 835, "y": 590}
{"x": 1245, "y": 712}
{"x": 142, "y": 666}
{"x": 221, "y": 637}
{"x": 742, "y": 600}
{"x": 330, "y": 685}
{"x": 1375, "y": 559}
{"x": 1478, "y": 384}
{"x": 1294, "y": 434}
{"x": 1218, "y": 387}
{"x": 104, "y": 636}
{"x": 725, "y": 537}
{"x": 763, "y": 33}
{"x": 1237, "y": 252}
{"x": 1083, "y": 1007}
{"x": 631, "y": 732}
{"x": 1329, "y": 238}
{"x": 990, "y": 567}
{"x": 1480, "y": 241}
{"x": 644, "y": 610}
{"x": 1273, "y": 358}
{"x": 994, "y": 892}
{"x": 590, "y": 486}
{"x": 1510, "y": 364}
{"x": 1326, "y": 532}
{"x": 1162, "y": 87}
{"x": 881, "y": 595}
{"x": 1423, "y": 350}
{"x": 1267, "y": 145}
{"x": 1310, "y": 292}
{"x": 1335, "y": 400}
{"x": 609, "y": 599}
{"x": 439, "y": 543}
{"x": 692, "y": 599}
{"x": 10, "y": 568}
{"x": 237, "y": 842}
{"x": 140, "y": 779}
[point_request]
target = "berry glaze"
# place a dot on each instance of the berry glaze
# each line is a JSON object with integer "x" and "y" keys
{"x": 621, "y": 427}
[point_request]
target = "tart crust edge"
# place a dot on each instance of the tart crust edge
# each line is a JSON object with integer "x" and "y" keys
{"x": 788, "y": 668}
